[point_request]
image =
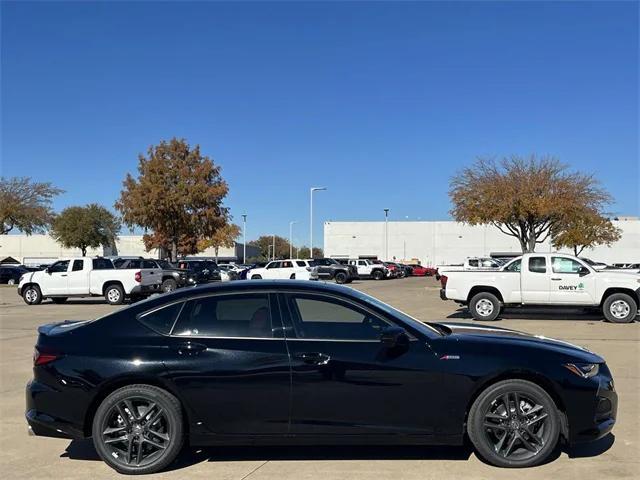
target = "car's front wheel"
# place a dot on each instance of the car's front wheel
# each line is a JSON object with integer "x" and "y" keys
{"x": 619, "y": 308}
{"x": 378, "y": 275}
{"x": 138, "y": 429}
{"x": 341, "y": 277}
{"x": 514, "y": 423}
{"x": 32, "y": 295}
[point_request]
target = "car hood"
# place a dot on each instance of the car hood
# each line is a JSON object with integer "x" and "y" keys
{"x": 503, "y": 335}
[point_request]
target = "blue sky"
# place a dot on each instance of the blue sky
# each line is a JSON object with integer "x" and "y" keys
{"x": 380, "y": 102}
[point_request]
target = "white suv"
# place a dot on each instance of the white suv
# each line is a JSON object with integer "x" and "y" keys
{"x": 285, "y": 269}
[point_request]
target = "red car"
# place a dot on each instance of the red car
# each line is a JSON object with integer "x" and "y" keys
{"x": 420, "y": 271}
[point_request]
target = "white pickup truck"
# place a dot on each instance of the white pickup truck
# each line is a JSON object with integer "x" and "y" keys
{"x": 470, "y": 263}
{"x": 543, "y": 279}
{"x": 88, "y": 277}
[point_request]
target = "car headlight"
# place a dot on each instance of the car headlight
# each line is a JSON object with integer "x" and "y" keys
{"x": 584, "y": 370}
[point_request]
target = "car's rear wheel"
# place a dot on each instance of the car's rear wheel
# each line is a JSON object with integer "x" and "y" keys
{"x": 619, "y": 308}
{"x": 58, "y": 299}
{"x": 484, "y": 306}
{"x": 11, "y": 281}
{"x": 138, "y": 429}
{"x": 114, "y": 294}
{"x": 32, "y": 295}
{"x": 341, "y": 277}
{"x": 514, "y": 423}
{"x": 169, "y": 285}
{"x": 292, "y": 277}
{"x": 256, "y": 277}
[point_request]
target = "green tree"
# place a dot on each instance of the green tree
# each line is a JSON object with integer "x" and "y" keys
{"x": 265, "y": 244}
{"x": 524, "y": 198}
{"x": 26, "y": 205}
{"x": 586, "y": 230}
{"x": 85, "y": 227}
{"x": 177, "y": 197}
{"x": 223, "y": 237}
{"x": 303, "y": 252}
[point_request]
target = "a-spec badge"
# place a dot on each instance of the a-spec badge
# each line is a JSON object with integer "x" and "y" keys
{"x": 450, "y": 357}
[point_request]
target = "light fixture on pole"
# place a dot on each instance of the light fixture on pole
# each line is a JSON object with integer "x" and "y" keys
{"x": 313, "y": 189}
{"x": 291, "y": 238}
{"x": 386, "y": 234}
{"x": 244, "y": 238}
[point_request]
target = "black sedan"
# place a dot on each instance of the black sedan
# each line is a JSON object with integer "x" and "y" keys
{"x": 306, "y": 363}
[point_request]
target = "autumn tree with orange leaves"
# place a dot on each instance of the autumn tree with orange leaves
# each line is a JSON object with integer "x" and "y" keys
{"x": 177, "y": 198}
{"x": 527, "y": 198}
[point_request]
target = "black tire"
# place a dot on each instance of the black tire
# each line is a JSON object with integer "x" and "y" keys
{"x": 541, "y": 434}
{"x": 114, "y": 294}
{"x": 169, "y": 285}
{"x": 341, "y": 277}
{"x": 619, "y": 308}
{"x": 292, "y": 277}
{"x": 378, "y": 275}
{"x": 32, "y": 295}
{"x": 12, "y": 281}
{"x": 58, "y": 299}
{"x": 139, "y": 431}
{"x": 256, "y": 277}
{"x": 485, "y": 306}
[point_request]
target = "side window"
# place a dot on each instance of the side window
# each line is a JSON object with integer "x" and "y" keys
{"x": 273, "y": 265}
{"x": 514, "y": 266}
{"x": 58, "y": 267}
{"x": 245, "y": 315}
{"x": 287, "y": 265}
{"x": 362, "y": 262}
{"x": 328, "y": 318}
{"x": 161, "y": 320}
{"x": 102, "y": 264}
{"x": 300, "y": 263}
{"x": 565, "y": 265}
{"x": 538, "y": 264}
{"x": 77, "y": 265}
{"x": 473, "y": 263}
{"x": 149, "y": 264}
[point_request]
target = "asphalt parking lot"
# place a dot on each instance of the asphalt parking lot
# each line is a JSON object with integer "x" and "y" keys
{"x": 616, "y": 456}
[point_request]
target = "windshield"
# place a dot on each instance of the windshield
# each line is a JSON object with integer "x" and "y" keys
{"x": 417, "y": 324}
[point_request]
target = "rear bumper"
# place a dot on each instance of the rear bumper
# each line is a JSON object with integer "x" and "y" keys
{"x": 145, "y": 289}
{"x": 43, "y": 424}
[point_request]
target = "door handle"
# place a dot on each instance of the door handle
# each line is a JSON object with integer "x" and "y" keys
{"x": 314, "y": 358}
{"x": 556, "y": 279}
{"x": 191, "y": 348}
{"x": 63, "y": 275}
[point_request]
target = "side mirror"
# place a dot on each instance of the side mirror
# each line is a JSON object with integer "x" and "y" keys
{"x": 393, "y": 337}
{"x": 582, "y": 271}
{"x": 47, "y": 270}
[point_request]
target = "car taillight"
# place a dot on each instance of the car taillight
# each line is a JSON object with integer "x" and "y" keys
{"x": 138, "y": 277}
{"x": 443, "y": 281}
{"x": 40, "y": 358}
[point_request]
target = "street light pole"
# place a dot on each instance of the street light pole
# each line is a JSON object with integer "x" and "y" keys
{"x": 386, "y": 234}
{"x": 273, "y": 251}
{"x": 244, "y": 238}
{"x": 313, "y": 189}
{"x": 291, "y": 238}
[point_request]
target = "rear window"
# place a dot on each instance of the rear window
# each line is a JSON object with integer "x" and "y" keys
{"x": 162, "y": 320}
{"x": 102, "y": 264}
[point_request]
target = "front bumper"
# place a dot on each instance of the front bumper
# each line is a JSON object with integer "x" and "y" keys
{"x": 443, "y": 294}
{"x": 593, "y": 418}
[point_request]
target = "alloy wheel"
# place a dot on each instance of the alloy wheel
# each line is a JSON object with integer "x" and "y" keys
{"x": 113, "y": 295}
{"x": 619, "y": 309}
{"x": 515, "y": 424}
{"x": 136, "y": 431}
{"x": 484, "y": 307}
{"x": 31, "y": 295}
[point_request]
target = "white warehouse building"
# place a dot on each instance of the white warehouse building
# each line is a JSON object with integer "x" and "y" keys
{"x": 451, "y": 242}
